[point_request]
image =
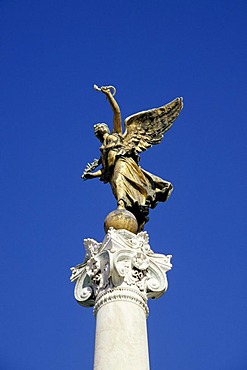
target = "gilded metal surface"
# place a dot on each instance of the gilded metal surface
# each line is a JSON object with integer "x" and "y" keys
{"x": 121, "y": 219}
{"x": 134, "y": 188}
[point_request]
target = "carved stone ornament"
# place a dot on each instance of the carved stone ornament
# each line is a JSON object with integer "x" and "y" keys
{"x": 123, "y": 267}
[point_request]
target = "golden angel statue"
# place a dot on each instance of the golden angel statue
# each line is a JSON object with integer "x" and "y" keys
{"x": 135, "y": 189}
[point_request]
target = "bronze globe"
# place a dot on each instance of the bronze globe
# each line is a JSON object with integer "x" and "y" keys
{"x": 121, "y": 219}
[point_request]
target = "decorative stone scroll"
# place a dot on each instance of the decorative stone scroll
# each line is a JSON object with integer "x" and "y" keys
{"x": 122, "y": 267}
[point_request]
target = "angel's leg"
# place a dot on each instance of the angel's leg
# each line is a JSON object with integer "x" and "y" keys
{"x": 121, "y": 204}
{"x": 120, "y": 193}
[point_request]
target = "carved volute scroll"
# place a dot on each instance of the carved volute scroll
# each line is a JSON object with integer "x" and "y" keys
{"x": 123, "y": 267}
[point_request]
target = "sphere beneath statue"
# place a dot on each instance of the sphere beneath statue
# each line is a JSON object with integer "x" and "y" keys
{"x": 121, "y": 219}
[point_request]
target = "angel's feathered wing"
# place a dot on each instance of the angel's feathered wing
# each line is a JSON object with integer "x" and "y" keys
{"x": 147, "y": 128}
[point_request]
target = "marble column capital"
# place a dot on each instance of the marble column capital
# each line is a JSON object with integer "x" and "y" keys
{"x": 122, "y": 267}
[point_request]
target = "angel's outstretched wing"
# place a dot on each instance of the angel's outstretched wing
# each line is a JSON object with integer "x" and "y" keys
{"x": 147, "y": 128}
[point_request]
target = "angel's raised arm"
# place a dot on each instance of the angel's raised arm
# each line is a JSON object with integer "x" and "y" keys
{"x": 117, "y": 122}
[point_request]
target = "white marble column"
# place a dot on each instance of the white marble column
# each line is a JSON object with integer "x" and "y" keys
{"x": 121, "y": 337}
{"x": 117, "y": 278}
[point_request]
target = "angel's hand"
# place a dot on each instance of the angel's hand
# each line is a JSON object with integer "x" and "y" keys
{"x": 106, "y": 90}
{"x": 91, "y": 175}
{"x": 87, "y": 176}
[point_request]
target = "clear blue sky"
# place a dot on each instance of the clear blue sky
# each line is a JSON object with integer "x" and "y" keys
{"x": 51, "y": 54}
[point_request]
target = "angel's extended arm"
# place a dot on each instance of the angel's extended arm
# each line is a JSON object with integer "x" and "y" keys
{"x": 117, "y": 122}
{"x": 88, "y": 174}
{"x": 92, "y": 175}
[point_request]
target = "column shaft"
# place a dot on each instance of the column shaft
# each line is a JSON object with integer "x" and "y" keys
{"x": 121, "y": 337}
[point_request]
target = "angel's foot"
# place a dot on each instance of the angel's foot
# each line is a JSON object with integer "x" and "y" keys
{"x": 120, "y": 204}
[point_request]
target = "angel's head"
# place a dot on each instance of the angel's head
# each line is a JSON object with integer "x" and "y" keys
{"x": 100, "y": 129}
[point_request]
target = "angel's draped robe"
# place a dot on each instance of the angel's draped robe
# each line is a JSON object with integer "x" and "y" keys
{"x": 139, "y": 189}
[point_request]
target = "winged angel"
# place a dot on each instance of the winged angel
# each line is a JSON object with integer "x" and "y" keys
{"x": 134, "y": 188}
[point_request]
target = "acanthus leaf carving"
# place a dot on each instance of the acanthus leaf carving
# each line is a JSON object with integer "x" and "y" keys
{"x": 124, "y": 260}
